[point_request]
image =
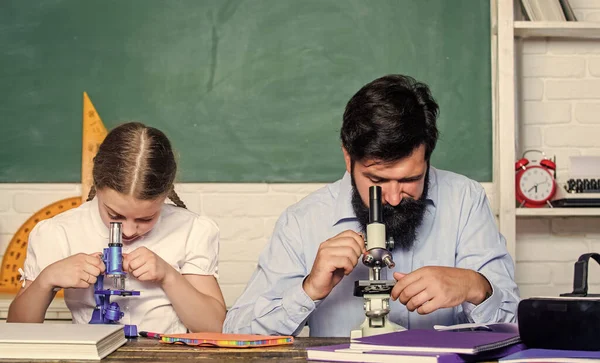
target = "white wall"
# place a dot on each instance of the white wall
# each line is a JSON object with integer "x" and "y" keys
{"x": 245, "y": 213}
{"x": 559, "y": 113}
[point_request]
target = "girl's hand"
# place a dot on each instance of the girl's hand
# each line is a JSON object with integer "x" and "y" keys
{"x": 79, "y": 271}
{"x": 145, "y": 265}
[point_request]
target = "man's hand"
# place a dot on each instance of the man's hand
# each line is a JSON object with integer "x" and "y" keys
{"x": 433, "y": 287}
{"x": 336, "y": 258}
{"x": 146, "y": 265}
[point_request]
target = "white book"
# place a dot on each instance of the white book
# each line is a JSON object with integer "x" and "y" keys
{"x": 569, "y": 14}
{"x": 528, "y": 10}
{"x": 59, "y": 341}
{"x": 543, "y": 10}
{"x": 549, "y": 10}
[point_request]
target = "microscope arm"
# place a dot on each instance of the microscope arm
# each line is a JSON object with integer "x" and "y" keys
{"x": 376, "y": 292}
{"x": 106, "y": 312}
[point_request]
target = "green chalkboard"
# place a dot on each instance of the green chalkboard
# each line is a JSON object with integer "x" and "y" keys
{"x": 248, "y": 91}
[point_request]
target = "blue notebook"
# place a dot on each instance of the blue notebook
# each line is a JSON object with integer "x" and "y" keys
{"x": 551, "y": 355}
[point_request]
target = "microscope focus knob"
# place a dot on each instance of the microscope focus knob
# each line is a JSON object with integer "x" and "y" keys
{"x": 113, "y": 312}
{"x": 388, "y": 261}
{"x": 368, "y": 260}
{"x": 390, "y": 243}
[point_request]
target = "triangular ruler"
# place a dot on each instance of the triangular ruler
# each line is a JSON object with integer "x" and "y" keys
{"x": 94, "y": 133}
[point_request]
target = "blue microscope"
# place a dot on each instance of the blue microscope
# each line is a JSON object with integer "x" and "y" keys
{"x": 106, "y": 312}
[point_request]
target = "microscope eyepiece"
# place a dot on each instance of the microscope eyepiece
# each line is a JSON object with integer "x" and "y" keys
{"x": 115, "y": 238}
{"x": 375, "y": 205}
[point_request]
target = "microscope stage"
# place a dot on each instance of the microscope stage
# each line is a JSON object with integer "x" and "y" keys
{"x": 362, "y": 287}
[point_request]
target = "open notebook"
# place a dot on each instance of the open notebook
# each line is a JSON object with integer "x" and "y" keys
{"x": 59, "y": 341}
{"x": 226, "y": 340}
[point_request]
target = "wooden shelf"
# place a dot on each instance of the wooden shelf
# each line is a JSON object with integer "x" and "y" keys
{"x": 558, "y": 212}
{"x": 557, "y": 29}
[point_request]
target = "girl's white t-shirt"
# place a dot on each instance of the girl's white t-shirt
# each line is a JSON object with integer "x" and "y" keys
{"x": 185, "y": 240}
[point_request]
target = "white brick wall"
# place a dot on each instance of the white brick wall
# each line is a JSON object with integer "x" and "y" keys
{"x": 559, "y": 103}
{"x": 246, "y": 215}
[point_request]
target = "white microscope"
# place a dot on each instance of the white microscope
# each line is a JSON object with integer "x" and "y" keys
{"x": 376, "y": 292}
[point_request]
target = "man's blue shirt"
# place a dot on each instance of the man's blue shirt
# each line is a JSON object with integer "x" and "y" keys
{"x": 458, "y": 230}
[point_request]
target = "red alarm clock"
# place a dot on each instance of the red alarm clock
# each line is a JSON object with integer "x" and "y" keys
{"x": 535, "y": 183}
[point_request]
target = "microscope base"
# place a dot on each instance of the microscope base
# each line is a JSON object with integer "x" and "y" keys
{"x": 366, "y": 330}
{"x": 106, "y": 312}
{"x": 376, "y": 321}
{"x": 130, "y": 331}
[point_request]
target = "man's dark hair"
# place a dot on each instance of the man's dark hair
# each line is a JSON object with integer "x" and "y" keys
{"x": 389, "y": 118}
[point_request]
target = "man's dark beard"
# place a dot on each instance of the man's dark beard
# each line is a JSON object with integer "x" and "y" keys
{"x": 401, "y": 222}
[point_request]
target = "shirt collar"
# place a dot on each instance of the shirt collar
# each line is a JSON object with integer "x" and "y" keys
{"x": 343, "y": 204}
{"x": 96, "y": 219}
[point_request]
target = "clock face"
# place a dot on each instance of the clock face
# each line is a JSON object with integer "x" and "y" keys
{"x": 536, "y": 184}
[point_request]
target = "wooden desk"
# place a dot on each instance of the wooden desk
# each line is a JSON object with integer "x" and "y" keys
{"x": 149, "y": 350}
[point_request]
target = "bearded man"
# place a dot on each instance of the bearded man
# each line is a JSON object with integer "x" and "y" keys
{"x": 451, "y": 262}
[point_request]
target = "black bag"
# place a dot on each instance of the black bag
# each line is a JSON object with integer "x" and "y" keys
{"x": 569, "y": 322}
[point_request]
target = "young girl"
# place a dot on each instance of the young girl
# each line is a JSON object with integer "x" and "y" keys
{"x": 170, "y": 253}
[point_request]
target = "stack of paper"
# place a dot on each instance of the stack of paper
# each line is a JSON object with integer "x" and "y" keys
{"x": 59, "y": 341}
{"x": 423, "y": 346}
{"x": 343, "y": 353}
{"x": 584, "y": 167}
